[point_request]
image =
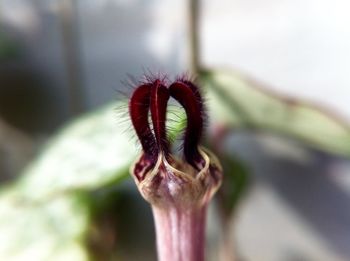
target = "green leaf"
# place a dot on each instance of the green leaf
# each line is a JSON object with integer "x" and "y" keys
{"x": 89, "y": 153}
{"x": 239, "y": 103}
{"x": 43, "y": 216}
{"x": 42, "y": 232}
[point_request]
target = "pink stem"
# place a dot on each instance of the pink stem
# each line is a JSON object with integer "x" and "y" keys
{"x": 180, "y": 233}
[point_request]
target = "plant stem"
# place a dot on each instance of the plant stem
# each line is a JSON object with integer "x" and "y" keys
{"x": 194, "y": 7}
{"x": 180, "y": 233}
{"x": 71, "y": 55}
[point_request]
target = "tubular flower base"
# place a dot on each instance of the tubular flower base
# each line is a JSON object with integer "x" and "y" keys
{"x": 178, "y": 190}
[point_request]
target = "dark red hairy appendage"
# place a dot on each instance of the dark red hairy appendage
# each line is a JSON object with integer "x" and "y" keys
{"x": 138, "y": 110}
{"x": 187, "y": 94}
{"x": 159, "y": 102}
{"x": 153, "y": 97}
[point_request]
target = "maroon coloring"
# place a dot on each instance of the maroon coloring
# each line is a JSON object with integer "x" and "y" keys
{"x": 159, "y": 102}
{"x": 153, "y": 97}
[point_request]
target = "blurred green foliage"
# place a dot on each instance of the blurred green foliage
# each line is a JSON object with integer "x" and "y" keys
{"x": 240, "y": 103}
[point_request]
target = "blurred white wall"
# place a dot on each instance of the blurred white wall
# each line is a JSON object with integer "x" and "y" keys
{"x": 297, "y": 47}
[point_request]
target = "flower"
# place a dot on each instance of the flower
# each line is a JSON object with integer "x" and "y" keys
{"x": 157, "y": 167}
{"x": 179, "y": 189}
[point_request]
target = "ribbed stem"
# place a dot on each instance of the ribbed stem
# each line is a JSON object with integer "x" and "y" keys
{"x": 180, "y": 233}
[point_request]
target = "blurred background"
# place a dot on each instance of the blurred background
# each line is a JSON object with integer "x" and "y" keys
{"x": 62, "y": 58}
